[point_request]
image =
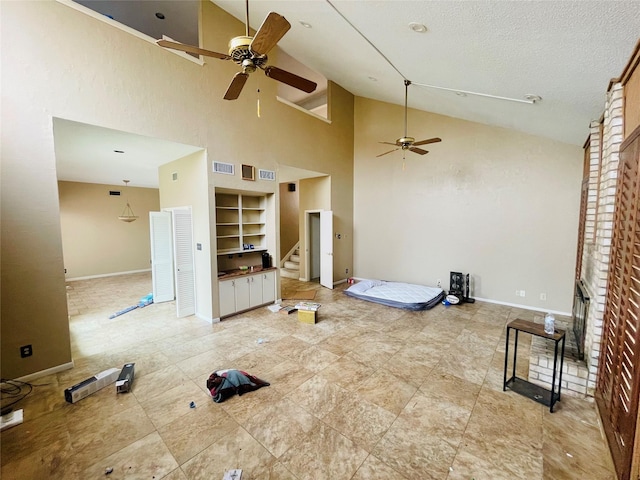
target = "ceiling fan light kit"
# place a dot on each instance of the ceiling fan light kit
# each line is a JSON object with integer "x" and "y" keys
{"x": 250, "y": 53}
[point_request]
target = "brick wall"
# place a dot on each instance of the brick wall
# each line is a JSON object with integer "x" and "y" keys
{"x": 595, "y": 278}
{"x": 579, "y": 378}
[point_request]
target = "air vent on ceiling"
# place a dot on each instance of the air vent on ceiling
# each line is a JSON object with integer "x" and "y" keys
{"x": 226, "y": 168}
{"x": 266, "y": 174}
{"x": 115, "y": 193}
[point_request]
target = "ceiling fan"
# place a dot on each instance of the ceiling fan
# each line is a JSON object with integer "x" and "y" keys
{"x": 406, "y": 142}
{"x": 251, "y": 53}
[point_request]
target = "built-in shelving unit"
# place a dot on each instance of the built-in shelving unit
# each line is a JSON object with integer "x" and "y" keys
{"x": 240, "y": 223}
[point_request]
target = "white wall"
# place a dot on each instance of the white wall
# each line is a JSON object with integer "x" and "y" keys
{"x": 498, "y": 204}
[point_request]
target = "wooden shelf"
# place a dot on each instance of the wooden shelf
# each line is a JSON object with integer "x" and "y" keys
{"x": 240, "y": 219}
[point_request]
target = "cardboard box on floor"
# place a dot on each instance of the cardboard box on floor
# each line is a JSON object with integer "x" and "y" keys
{"x": 308, "y": 316}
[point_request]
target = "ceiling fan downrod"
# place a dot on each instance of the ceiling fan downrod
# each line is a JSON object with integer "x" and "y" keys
{"x": 406, "y": 94}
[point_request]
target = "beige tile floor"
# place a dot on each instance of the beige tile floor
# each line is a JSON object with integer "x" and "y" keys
{"x": 369, "y": 392}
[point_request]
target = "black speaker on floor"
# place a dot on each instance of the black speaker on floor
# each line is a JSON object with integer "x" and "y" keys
{"x": 456, "y": 284}
{"x": 467, "y": 298}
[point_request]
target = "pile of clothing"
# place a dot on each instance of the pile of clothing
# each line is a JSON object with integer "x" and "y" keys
{"x": 223, "y": 384}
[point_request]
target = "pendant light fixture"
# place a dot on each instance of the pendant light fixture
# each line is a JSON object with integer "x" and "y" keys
{"x": 127, "y": 214}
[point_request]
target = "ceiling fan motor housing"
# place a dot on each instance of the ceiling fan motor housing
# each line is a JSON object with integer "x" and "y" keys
{"x": 405, "y": 142}
{"x": 240, "y": 52}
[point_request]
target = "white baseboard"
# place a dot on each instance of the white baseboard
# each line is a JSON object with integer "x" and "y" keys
{"x": 207, "y": 319}
{"x": 48, "y": 371}
{"x": 524, "y": 307}
{"x": 115, "y": 274}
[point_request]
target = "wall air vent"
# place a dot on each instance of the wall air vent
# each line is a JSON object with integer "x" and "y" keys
{"x": 226, "y": 168}
{"x": 114, "y": 193}
{"x": 266, "y": 175}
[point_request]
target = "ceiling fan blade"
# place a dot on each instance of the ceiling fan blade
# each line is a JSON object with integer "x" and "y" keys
{"x": 430, "y": 140}
{"x": 270, "y": 32}
{"x": 191, "y": 49}
{"x": 236, "y": 85}
{"x": 290, "y": 79}
{"x": 419, "y": 151}
{"x": 389, "y": 143}
{"x": 387, "y": 152}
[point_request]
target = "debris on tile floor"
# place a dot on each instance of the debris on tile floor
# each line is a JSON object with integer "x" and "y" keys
{"x": 235, "y": 474}
{"x": 125, "y": 379}
{"x": 91, "y": 385}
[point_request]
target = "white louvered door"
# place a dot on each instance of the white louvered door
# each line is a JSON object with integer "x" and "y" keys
{"x": 184, "y": 262}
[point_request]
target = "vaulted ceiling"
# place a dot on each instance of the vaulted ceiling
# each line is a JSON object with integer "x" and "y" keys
{"x": 480, "y": 59}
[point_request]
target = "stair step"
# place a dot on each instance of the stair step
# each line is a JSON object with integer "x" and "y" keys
{"x": 286, "y": 272}
{"x": 295, "y": 258}
{"x": 292, "y": 265}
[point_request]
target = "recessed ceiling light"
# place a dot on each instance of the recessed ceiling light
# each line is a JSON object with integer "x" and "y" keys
{"x": 119, "y": 151}
{"x": 373, "y": 79}
{"x": 417, "y": 27}
{"x": 533, "y": 98}
{"x": 160, "y": 15}
{"x": 305, "y": 24}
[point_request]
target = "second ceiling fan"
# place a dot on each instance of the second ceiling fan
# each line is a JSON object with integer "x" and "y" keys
{"x": 406, "y": 142}
{"x": 251, "y": 53}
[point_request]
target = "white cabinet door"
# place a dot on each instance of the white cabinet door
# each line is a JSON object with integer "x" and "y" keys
{"x": 255, "y": 290}
{"x": 243, "y": 301}
{"x": 227, "y": 297}
{"x": 269, "y": 287}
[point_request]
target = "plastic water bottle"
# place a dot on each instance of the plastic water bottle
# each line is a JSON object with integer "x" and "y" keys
{"x": 549, "y": 324}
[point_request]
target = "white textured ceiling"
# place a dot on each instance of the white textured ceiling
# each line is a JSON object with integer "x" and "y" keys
{"x": 85, "y": 153}
{"x": 564, "y": 51}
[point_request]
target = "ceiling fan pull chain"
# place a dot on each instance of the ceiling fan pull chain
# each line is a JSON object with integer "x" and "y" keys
{"x": 258, "y": 104}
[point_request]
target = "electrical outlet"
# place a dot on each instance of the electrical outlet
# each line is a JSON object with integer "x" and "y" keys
{"x": 11, "y": 419}
{"x": 346, "y": 270}
{"x": 26, "y": 351}
{"x": 439, "y": 283}
{"x": 522, "y": 293}
{"x": 543, "y": 296}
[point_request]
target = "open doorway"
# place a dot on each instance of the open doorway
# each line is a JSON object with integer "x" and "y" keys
{"x": 90, "y": 161}
{"x": 301, "y": 191}
{"x": 319, "y": 247}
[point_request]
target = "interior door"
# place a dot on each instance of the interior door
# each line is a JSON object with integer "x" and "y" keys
{"x": 183, "y": 264}
{"x": 618, "y": 384}
{"x": 161, "y": 257}
{"x": 326, "y": 249}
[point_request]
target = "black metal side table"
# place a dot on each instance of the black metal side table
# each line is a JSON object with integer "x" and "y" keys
{"x": 524, "y": 387}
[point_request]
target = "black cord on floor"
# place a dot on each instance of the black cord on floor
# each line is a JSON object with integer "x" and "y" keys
{"x": 15, "y": 391}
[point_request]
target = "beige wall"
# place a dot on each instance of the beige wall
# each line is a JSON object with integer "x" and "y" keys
{"x": 190, "y": 189}
{"x": 500, "y": 205}
{"x": 94, "y": 241}
{"x": 88, "y": 71}
{"x": 289, "y": 221}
